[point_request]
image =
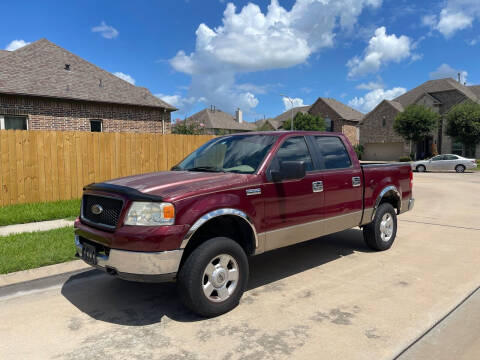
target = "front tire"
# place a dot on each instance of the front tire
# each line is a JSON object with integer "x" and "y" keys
{"x": 381, "y": 232}
{"x": 460, "y": 168}
{"x": 213, "y": 278}
{"x": 421, "y": 168}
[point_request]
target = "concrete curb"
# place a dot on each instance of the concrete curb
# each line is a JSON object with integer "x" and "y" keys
{"x": 35, "y": 226}
{"x": 42, "y": 272}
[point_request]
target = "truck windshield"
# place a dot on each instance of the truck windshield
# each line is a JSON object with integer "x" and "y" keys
{"x": 237, "y": 153}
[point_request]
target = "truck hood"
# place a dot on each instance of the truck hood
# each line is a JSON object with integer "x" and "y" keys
{"x": 174, "y": 185}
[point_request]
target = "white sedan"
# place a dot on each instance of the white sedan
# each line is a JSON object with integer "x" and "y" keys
{"x": 446, "y": 162}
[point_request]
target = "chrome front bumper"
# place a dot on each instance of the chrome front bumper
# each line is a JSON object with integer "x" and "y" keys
{"x": 137, "y": 266}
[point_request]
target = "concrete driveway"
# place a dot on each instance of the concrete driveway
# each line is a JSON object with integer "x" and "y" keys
{"x": 330, "y": 298}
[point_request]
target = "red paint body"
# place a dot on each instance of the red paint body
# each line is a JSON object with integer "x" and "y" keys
{"x": 279, "y": 205}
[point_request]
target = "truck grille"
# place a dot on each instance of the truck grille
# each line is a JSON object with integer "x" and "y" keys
{"x": 109, "y": 214}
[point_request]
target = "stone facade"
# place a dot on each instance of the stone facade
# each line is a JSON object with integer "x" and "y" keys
{"x": 73, "y": 115}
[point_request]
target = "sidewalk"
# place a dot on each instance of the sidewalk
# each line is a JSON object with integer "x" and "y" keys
{"x": 36, "y": 226}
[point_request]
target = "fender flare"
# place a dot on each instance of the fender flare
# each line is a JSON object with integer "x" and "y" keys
{"x": 391, "y": 189}
{"x": 214, "y": 214}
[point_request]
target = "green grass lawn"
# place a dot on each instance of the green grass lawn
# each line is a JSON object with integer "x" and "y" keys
{"x": 32, "y": 250}
{"x": 25, "y": 213}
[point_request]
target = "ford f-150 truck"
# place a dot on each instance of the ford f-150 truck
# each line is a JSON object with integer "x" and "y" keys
{"x": 234, "y": 197}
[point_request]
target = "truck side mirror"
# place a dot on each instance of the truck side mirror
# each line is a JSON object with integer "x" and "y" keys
{"x": 289, "y": 170}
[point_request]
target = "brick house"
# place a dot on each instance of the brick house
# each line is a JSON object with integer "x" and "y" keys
{"x": 338, "y": 117}
{"x": 217, "y": 122}
{"x": 45, "y": 87}
{"x": 382, "y": 143}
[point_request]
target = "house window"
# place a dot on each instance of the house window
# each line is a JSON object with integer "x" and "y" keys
{"x": 96, "y": 125}
{"x": 384, "y": 121}
{"x": 328, "y": 124}
{"x": 8, "y": 122}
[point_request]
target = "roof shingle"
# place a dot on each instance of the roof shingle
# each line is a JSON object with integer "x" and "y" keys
{"x": 346, "y": 112}
{"x": 433, "y": 86}
{"x": 218, "y": 119}
{"x": 39, "y": 69}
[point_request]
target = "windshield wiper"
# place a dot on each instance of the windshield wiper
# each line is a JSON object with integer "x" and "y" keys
{"x": 206, "y": 168}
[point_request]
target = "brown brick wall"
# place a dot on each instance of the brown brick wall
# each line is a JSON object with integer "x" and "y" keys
{"x": 339, "y": 124}
{"x": 59, "y": 114}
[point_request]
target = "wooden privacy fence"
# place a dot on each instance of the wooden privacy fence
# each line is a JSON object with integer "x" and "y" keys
{"x": 55, "y": 165}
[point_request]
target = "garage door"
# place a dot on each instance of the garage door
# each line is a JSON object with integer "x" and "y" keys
{"x": 383, "y": 151}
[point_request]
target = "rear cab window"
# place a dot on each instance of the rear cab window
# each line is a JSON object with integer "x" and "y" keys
{"x": 332, "y": 153}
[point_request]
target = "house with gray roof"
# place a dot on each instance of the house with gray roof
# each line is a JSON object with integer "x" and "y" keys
{"x": 338, "y": 117}
{"x": 217, "y": 122}
{"x": 381, "y": 142}
{"x": 45, "y": 87}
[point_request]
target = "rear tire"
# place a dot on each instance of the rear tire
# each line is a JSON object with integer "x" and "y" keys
{"x": 381, "y": 232}
{"x": 213, "y": 278}
{"x": 460, "y": 168}
{"x": 421, "y": 168}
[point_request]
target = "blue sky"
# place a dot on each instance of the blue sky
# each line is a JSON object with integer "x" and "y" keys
{"x": 248, "y": 53}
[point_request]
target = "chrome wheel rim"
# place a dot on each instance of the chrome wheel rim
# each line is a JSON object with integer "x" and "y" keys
{"x": 460, "y": 169}
{"x": 220, "y": 278}
{"x": 386, "y": 227}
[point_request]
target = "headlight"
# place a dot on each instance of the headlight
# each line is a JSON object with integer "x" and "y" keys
{"x": 150, "y": 214}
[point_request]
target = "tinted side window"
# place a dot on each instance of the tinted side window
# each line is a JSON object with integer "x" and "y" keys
{"x": 333, "y": 154}
{"x": 293, "y": 149}
{"x": 451, "y": 157}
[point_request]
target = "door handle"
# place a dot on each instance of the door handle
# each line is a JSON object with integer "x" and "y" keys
{"x": 317, "y": 186}
{"x": 356, "y": 182}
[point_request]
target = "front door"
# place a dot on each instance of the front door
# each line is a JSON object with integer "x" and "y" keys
{"x": 436, "y": 163}
{"x": 293, "y": 207}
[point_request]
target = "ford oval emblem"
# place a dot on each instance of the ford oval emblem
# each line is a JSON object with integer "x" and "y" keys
{"x": 96, "y": 209}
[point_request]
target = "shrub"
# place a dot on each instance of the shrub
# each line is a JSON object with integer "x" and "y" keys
{"x": 405, "y": 159}
{"x": 359, "y": 149}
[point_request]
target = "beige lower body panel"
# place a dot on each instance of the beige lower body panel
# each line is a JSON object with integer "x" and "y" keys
{"x": 294, "y": 234}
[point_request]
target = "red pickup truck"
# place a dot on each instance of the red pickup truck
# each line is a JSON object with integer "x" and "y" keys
{"x": 234, "y": 197}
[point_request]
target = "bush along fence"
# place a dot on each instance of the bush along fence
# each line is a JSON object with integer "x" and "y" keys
{"x": 38, "y": 166}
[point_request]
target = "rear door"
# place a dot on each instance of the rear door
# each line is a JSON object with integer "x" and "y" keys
{"x": 293, "y": 207}
{"x": 342, "y": 184}
{"x": 450, "y": 162}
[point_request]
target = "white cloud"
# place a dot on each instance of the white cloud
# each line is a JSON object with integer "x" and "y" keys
{"x": 371, "y": 99}
{"x": 456, "y": 15}
{"x": 125, "y": 77}
{"x": 445, "y": 71}
{"x": 250, "y": 40}
{"x": 382, "y": 49}
{"x": 430, "y": 20}
{"x": 107, "y": 31}
{"x": 16, "y": 44}
{"x": 295, "y": 101}
{"x": 450, "y": 22}
{"x": 183, "y": 104}
{"x": 372, "y": 85}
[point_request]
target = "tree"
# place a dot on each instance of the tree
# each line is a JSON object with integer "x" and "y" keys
{"x": 463, "y": 123}
{"x": 187, "y": 128}
{"x": 307, "y": 121}
{"x": 415, "y": 122}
